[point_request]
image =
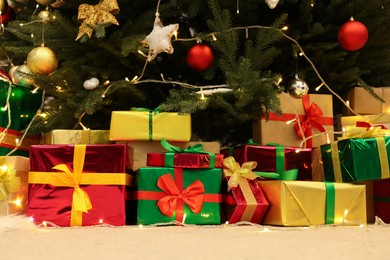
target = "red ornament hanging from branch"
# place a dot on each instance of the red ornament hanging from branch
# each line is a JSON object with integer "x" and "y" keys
{"x": 352, "y": 35}
{"x": 200, "y": 57}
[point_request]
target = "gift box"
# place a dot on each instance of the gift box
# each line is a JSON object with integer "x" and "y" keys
{"x": 274, "y": 159}
{"x": 381, "y": 190}
{"x": 150, "y": 125}
{"x": 65, "y": 136}
{"x": 306, "y": 203}
{"x": 138, "y": 150}
{"x": 13, "y": 184}
{"x": 317, "y": 166}
{"x": 381, "y": 120}
{"x": 363, "y": 103}
{"x": 23, "y": 105}
{"x": 190, "y": 196}
{"x": 192, "y": 157}
{"x": 243, "y": 199}
{"x": 78, "y": 185}
{"x": 356, "y": 159}
{"x": 315, "y": 114}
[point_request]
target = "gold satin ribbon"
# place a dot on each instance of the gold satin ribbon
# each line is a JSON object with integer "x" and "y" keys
{"x": 80, "y": 199}
{"x": 91, "y": 15}
{"x": 238, "y": 176}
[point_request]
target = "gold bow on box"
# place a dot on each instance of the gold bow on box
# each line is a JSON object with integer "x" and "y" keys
{"x": 92, "y": 15}
{"x": 239, "y": 175}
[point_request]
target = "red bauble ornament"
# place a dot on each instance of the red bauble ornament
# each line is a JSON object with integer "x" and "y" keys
{"x": 352, "y": 35}
{"x": 200, "y": 57}
{"x": 8, "y": 15}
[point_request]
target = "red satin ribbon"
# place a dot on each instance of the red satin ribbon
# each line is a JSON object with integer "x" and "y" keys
{"x": 173, "y": 197}
{"x": 312, "y": 115}
{"x": 368, "y": 125}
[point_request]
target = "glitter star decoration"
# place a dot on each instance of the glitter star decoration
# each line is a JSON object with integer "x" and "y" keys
{"x": 159, "y": 40}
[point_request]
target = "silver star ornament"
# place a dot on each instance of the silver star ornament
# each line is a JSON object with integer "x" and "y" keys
{"x": 159, "y": 40}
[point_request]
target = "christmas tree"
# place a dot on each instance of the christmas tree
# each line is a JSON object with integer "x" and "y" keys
{"x": 115, "y": 55}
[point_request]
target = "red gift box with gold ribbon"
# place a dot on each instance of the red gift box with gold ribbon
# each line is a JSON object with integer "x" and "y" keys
{"x": 244, "y": 200}
{"x": 78, "y": 185}
{"x": 315, "y": 112}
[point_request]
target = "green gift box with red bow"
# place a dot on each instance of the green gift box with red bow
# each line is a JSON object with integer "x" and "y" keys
{"x": 315, "y": 113}
{"x": 189, "y": 196}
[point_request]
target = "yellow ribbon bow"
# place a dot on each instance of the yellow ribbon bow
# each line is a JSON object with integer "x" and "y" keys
{"x": 8, "y": 181}
{"x": 80, "y": 200}
{"x": 91, "y": 15}
{"x": 236, "y": 173}
{"x": 362, "y": 132}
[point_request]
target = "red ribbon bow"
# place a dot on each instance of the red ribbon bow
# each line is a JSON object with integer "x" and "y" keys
{"x": 193, "y": 196}
{"x": 368, "y": 125}
{"x": 313, "y": 113}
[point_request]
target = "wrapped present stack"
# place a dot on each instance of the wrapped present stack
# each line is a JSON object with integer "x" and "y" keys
{"x": 361, "y": 155}
{"x": 292, "y": 174}
{"x": 182, "y": 186}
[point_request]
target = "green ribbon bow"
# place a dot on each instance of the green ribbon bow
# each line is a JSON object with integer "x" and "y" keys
{"x": 8, "y": 181}
{"x": 172, "y": 150}
{"x": 151, "y": 113}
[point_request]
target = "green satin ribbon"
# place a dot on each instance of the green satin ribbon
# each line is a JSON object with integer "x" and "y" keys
{"x": 280, "y": 173}
{"x": 330, "y": 202}
{"x": 151, "y": 113}
{"x": 172, "y": 150}
{"x": 8, "y": 181}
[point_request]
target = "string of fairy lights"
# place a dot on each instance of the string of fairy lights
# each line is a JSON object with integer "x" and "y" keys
{"x": 203, "y": 90}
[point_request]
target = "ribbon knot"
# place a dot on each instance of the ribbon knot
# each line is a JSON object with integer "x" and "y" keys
{"x": 91, "y": 15}
{"x": 238, "y": 174}
{"x": 193, "y": 196}
{"x": 313, "y": 113}
{"x": 80, "y": 200}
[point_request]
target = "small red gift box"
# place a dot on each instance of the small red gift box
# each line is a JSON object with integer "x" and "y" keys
{"x": 274, "y": 158}
{"x": 244, "y": 200}
{"x": 192, "y": 157}
{"x": 68, "y": 181}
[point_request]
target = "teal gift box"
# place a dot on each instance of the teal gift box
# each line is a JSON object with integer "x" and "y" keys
{"x": 190, "y": 196}
{"x": 356, "y": 159}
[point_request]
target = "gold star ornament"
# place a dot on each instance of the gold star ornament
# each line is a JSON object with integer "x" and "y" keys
{"x": 91, "y": 15}
{"x": 159, "y": 40}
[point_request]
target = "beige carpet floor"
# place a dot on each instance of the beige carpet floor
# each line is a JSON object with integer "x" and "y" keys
{"x": 25, "y": 241}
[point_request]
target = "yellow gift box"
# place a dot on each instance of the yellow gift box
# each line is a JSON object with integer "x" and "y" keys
{"x": 363, "y": 103}
{"x": 304, "y": 203}
{"x": 138, "y": 150}
{"x": 150, "y": 125}
{"x": 64, "y": 136}
{"x": 13, "y": 184}
{"x": 315, "y": 113}
{"x": 373, "y": 120}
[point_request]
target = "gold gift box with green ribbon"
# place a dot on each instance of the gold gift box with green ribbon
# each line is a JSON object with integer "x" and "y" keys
{"x": 356, "y": 159}
{"x": 308, "y": 203}
{"x": 150, "y": 125}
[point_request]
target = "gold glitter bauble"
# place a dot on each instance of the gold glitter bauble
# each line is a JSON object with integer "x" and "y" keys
{"x": 42, "y": 60}
{"x": 45, "y": 2}
{"x": 3, "y": 6}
